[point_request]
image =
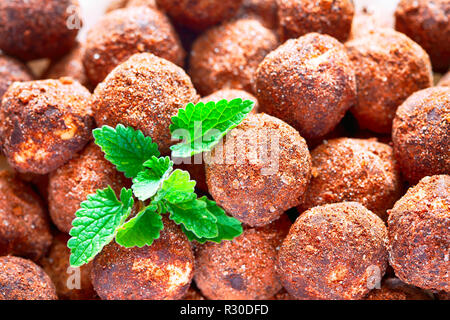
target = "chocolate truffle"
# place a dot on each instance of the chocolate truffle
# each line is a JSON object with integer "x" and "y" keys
{"x": 44, "y": 123}
{"x": 389, "y": 68}
{"x": 70, "y": 184}
{"x": 421, "y": 134}
{"x": 261, "y": 170}
{"x": 227, "y": 56}
{"x": 357, "y": 170}
{"x": 419, "y": 241}
{"x": 145, "y": 92}
{"x": 12, "y": 70}
{"x": 70, "y": 283}
{"x": 394, "y": 289}
{"x": 199, "y": 14}
{"x": 308, "y": 82}
{"x": 335, "y": 251}
{"x": 31, "y": 29}
{"x": 299, "y": 17}
{"x": 122, "y": 33}
{"x": 162, "y": 271}
{"x": 21, "y": 279}
{"x": 242, "y": 269}
{"x": 24, "y": 227}
{"x": 428, "y": 23}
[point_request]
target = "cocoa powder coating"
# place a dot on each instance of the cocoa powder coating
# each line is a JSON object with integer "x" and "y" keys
{"x": 419, "y": 241}
{"x": 308, "y": 82}
{"x": 44, "y": 123}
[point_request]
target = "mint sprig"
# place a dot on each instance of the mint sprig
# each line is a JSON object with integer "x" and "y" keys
{"x": 201, "y": 126}
{"x": 159, "y": 188}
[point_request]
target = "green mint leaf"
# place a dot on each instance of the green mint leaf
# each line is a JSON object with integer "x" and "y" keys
{"x": 148, "y": 182}
{"x": 195, "y": 217}
{"x": 228, "y": 227}
{"x": 177, "y": 188}
{"x": 126, "y": 148}
{"x": 201, "y": 126}
{"x": 141, "y": 230}
{"x": 96, "y": 223}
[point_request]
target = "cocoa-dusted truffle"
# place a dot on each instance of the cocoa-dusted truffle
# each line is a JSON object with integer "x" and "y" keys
{"x": 308, "y": 82}
{"x": 162, "y": 271}
{"x": 394, "y": 289}
{"x": 230, "y": 94}
{"x": 122, "y": 33}
{"x": 31, "y": 29}
{"x": 389, "y": 67}
{"x": 21, "y": 279}
{"x": 199, "y": 14}
{"x": 335, "y": 251}
{"x": 421, "y": 134}
{"x": 24, "y": 227}
{"x": 70, "y": 184}
{"x": 43, "y": 123}
{"x": 70, "y": 283}
{"x": 12, "y": 70}
{"x": 71, "y": 65}
{"x": 227, "y": 56}
{"x": 264, "y": 10}
{"x": 357, "y": 170}
{"x": 445, "y": 80}
{"x": 419, "y": 240}
{"x": 242, "y": 269}
{"x": 427, "y": 23}
{"x": 299, "y": 17}
{"x": 145, "y": 92}
{"x": 261, "y": 170}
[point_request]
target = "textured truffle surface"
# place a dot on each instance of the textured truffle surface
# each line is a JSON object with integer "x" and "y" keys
{"x": 428, "y": 23}
{"x": 162, "y": 271}
{"x": 145, "y": 92}
{"x": 357, "y": 170}
{"x": 122, "y": 33}
{"x": 24, "y": 227}
{"x": 242, "y": 269}
{"x": 21, "y": 279}
{"x": 56, "y": 264}
{"x": 419, "y": 241}
{"x": 227, "y": 56}
{"x": 264, "y": 10}
{"x": 261, "y": 170}
{"x": 421, "y": 134}
{"x": 70, "y": 184}
{"x": 308, "y": 82}
{"x": 199, "y": 14}
{"x": 389, "y": 68}
{"x": 335, "y": 251}
{"x": 33, "y": 29}
{"x": 43, "y": 123}
{"x": 332, "y": 17}
{"x": 12, "y": 70}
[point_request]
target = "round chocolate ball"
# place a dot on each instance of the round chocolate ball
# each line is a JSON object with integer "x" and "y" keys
{"x": 145, "y": 92}
{"x": 299, "y": 17}
{"x": 308, "y": 82}
{"x": 24, "y": 227}
{"x": 33, "y": 29}
{"x": 419, "y": 240}
{"x": 428, "y": 23}
{"x": 44, "y": 123}
{"x": 70, "y": 184}
{"x": 122, "y": 33}
{"x": 335, "y": 251}
{"x": 22, "y": 279}
{"x": 12, "y": 70}
{"x": 227, "y": 56}
{"x": 421, "y": 134}
{"x": 162, "y": 271}
{"x": 261, "y": 170}
{"x": 389, "y": 68}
